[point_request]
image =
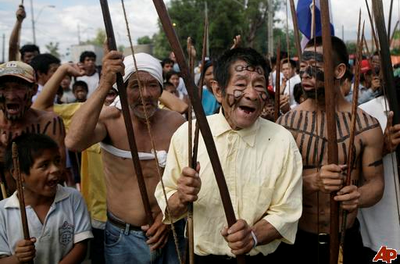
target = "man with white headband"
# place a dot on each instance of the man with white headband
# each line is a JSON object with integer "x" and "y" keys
{"x": 128, "y": 238}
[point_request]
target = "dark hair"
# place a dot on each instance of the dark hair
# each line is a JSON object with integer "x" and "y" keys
{"x": 169, "y": 74}
{"x": 298, "y": 92}
{"x": 167, "y": 84}
{"x": 292, "y": 62}
{"x": 28, "y": 48}
{"x": 207, "y": 64}
{"x": 41, "y": 62}
{"x": 30, "y": 146}
{"x": 166, "y": 61}
{"x": 348, "y": 75}
{"x": 340, "y": 54}
{"x": 86, "y": 54}
{"x": 222, "y": 66}
{"x": 81, "y": 84}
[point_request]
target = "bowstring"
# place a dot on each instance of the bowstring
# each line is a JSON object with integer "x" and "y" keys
{"x": 151, "y": 136}
{"x": 322, "y": 116}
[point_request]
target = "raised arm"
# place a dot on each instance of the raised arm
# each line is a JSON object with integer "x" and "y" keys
{"x": 86, "y": 129}
{"x": 45, "y": 99}
{"x": 173, "y": 103}
{"x": 14, "y": 37}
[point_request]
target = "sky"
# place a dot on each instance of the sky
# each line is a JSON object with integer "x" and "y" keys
{"x": 60, "y": 22}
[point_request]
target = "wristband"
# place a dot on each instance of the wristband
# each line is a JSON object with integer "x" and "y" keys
{"x": 254, "y": 238}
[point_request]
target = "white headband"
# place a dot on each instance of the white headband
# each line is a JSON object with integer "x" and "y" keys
{"x": 145, "y": 62}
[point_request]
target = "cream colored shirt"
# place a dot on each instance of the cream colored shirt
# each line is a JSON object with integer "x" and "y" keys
{"x": 262, "y": 167}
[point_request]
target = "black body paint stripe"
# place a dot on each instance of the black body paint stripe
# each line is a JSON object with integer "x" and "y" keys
{"x": 54, "y": 125}
{"x": 303, "y": 135}
{"x": 376, "y": 163}
{"x": 45, "y": 127}
{"x": 292, "y": 119}
{"x": 346, "y": 124}
{"x": 308, "y": 158}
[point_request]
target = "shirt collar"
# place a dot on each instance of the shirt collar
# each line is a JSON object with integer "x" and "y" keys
{"x": 13, "y": 201}
{"x": 247, "y": 134}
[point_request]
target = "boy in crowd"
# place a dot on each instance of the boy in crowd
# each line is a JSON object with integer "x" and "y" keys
{"x": 57, "y": 216}
{"x": 45, "y": 65}
{"x": 80, "y": 90}
{"x": 92, "y": 75}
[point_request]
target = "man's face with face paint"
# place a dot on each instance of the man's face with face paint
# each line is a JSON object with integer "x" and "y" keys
{"x": 15, "y": 97}
{"x": 312, "y": 69}
{"x": 245, "y": 95}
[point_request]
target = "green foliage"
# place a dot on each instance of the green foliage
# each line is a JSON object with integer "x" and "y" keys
{"x": 351, "y": 47}
{"x": 144, "y": 40}
{"x": 161, "y": 45}
{"x": 53, "y": 49}
{"x": 280, "y": 34}
{"x": 121, "y": 48}
{"x": 99, "y": 39}
{"x": 396, "y": 35}
{"x": 227, "y": 18}
{"x": 395, "y": 52}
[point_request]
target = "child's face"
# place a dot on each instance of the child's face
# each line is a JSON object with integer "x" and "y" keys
{"x": 44, "y": 174}
{"x": 172, "y": 89}
{"x": 80, "y": 94}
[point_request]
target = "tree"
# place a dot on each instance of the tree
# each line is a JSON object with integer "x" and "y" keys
{"x": 98, "y": 40}
{"x": 226, "y": 20}
{"x": 351, "y": 47}
{"x": 280, "y": 34}
{"x": 144, "y": 40}
{"x": 53, "y": 49}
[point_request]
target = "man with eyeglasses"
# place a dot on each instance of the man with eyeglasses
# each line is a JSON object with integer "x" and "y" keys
{"x": 261, "y": 164}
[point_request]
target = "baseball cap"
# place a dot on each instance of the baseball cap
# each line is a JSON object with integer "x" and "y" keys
{"x": 365, "y": 66}
{"x": 18, "y": 69}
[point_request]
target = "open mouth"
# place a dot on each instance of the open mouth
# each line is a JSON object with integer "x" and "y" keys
{"x": 247, "y": 109}
{"x": 13, "y": 108}
{"x": 110, "y": 96}
{"x": 307, "y": 86}
{"x": 52, "y": 183}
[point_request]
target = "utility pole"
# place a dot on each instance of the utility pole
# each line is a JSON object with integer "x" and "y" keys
{"x": 208, "y": 40}
{"x": 343, "y": 33}
{"x": 4, "y": 48}
{"x": 79, "y": 35}
{"x": 33, "y": 24}
{"x": 270, "y": 32}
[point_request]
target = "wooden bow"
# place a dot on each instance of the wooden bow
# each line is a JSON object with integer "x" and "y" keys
{"x": 126, "y": 114}
{"x": 296, "y": 29}
{"x": 193, "y": 158}
{"x": 20, "y": 191}
{"x": 330, "y": 99}
{"x": 277, "y": 81}
{"x": 351, "y": 155}
{"x": 372, "y": 27}
{"x": 386, "y": 64}
{"x": 200, "y": 115}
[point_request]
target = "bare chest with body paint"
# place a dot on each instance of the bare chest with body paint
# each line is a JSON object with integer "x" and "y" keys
{"x": 36, "y": 122}
{"x": 309, "y": 129}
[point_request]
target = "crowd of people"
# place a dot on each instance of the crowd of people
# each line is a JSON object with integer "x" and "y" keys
{"x": 80, "y": 187}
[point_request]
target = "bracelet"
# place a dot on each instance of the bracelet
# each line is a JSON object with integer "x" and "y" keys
{"x": 254, "y": 238}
